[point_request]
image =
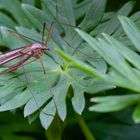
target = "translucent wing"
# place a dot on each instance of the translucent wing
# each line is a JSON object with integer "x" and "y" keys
{"x": 10, "y": 55}
{"x": 17, "y": 65}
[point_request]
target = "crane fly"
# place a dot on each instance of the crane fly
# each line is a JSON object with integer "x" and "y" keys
{"x": 35, "y": 50}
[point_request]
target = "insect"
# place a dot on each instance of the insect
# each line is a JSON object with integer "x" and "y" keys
{"x": 35, "y": 50}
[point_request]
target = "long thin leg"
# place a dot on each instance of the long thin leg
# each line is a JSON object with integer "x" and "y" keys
{"x": 44, "y": 26}
{"x": 37, "y": 105}
{"x": 42, "y": 66}
{"x": 24, "y": 36}
{"x": 66, "y": 24}
{"x": 29, "y": 62}
{"x": 56, "y": 17}
{"x": 46, "y": 77}
{"x": 15, "y": 66}
{"x": 50, "y": 32}
{"x": 51, "y": 29}
{"x": 20, "y": 38}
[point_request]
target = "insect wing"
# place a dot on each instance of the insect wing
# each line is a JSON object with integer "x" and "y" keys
{"x": 17, "y": 65}
{"x": 8, "y": 56}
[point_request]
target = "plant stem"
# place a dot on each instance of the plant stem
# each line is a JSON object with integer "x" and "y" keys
{"x": 84, "y": 127}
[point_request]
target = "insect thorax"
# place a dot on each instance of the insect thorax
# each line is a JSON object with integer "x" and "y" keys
{"x": 37, "y": 50}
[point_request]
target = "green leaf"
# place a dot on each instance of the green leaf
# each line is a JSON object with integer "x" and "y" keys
{"x": 81, "y": 8}
{"x": 16, "y": 102}
{"x": 47, "y": 114}
{"x": 65, "y": 12}
{"x": 82, "y": 66}
{"x": 114, "y": 58}
{"x": 92, "y": 58}
{"x": 112, "y": 25}
{"x": 129, "y": 54}
{"x": 136, "y": 114}
{"x": 131, "y": 30}
{"x": 11, "y": 41}
{"x": 113, "y": 103}
{"x": 78, "y": 100}
{"x": 14, "y": 7}
{"x": 49, "y": 7}
{"x": 31, "y": 34}
{"x": 121, "y": 81}
{"x": 11, "y": 89}
{"x": 5, "y": 20}
{"x": 35, "y": 103}
{"x": 60, "y": 93}
{"x": 32, "y": 2}
{"x": 91, "y": 13}
{"x": 36, "y": 16}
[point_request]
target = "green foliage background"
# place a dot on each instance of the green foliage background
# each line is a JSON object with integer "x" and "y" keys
{"x": 102, "y": 62}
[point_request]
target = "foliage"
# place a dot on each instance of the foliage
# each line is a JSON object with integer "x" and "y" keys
{"x": 63, "y": 81}
{"x": 123, "y": 71}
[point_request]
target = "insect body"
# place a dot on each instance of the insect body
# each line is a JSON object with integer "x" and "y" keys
{"x": 24, "y": 53}
{"x": 38, "y": 50}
